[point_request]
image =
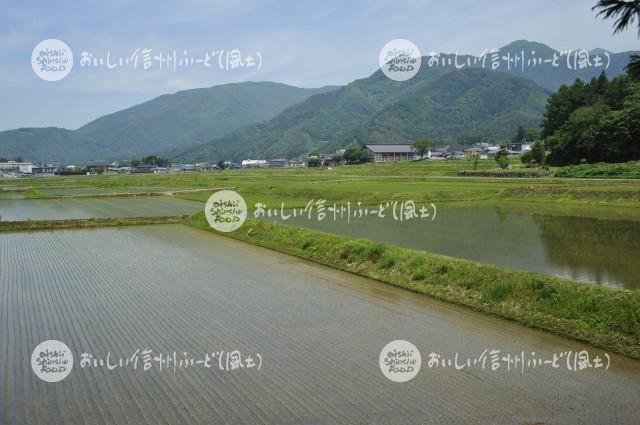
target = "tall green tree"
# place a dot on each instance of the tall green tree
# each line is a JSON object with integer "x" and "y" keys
{"x": 355, "y": 156}
{"x": 422, "y": 146}
{"x": 502, "y": 157}
{"x": 625, "y": 13}
{"x": 603, "y": 126}
{"x": 560, "y": 106}
{"x": 537, "y": 154}
{"x": 520, "y": 135}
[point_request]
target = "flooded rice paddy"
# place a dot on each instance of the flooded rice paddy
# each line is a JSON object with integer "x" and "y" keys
{"x": 108, "y": 207}
{"x": 319, "y": 332}
{"x": 602, "y": 251}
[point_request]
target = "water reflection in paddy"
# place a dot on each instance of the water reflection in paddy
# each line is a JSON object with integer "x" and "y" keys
{"x": 594, "y": 250}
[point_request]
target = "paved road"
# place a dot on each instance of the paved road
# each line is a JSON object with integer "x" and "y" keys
{"x": 318, "y": 331}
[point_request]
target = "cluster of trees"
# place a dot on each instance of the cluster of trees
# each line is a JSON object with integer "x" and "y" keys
{"x": 526, "y": 135}
{"x": 537, "y": 154}
{"x": 502, "y": 158}
{"x": 593, "y": 122}
{"x": 422, "y": 146}
{"x": 597, "y": 121}
{"x": 355, "y": 156}
{"x": 152, "y": 160}
{"x": 625, "y": 13}
{"x": 314, "y": 162}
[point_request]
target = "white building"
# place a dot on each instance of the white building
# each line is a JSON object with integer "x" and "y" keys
{"x": 254, "y": 163}
{"x": 13, "y": 166}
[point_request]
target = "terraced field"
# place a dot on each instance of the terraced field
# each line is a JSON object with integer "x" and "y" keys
{"x": 108, "y": 207}
{"x": 319, "y": 332}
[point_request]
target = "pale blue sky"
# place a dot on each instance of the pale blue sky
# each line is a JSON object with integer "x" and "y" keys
{"x": 304, "y": 43}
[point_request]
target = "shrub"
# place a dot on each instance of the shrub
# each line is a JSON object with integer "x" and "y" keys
{"x": 419, "y": 274}
{"x": 498, "y": 292}
{"x": 546, "y": 292}
{"x": 630, "y": 322}
{"x": 353, "y": 251}
{"x": 588, "y": 305}
{"x": 388, "y": 261}
{"x": 536, "y": 284}
{"x": 442, "y": 269}
{"x": 376, "y": 251}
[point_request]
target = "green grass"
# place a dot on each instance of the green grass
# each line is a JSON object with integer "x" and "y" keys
{"x": 423, "y": 181}
{"x": 388, "y": 261}
{"x": 32, "y": 225}
{"x": 627, "y": 170}
{"x": 498, "y": 292}
{"x": 521, "y": 173}
{"x": 605, "y": 317}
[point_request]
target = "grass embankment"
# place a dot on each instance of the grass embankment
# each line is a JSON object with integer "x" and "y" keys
{"x": 531, "y": 173}
{"x": 604, "y": 317}
{"x": 627, "y": 170}
{"x": 16, "y": 226}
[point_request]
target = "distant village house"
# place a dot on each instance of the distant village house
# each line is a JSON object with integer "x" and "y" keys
{"x": 391, "y": 152}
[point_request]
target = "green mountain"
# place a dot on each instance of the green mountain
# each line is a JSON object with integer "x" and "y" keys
{"x": 441, "y": 101}
{"x": 316, "y": 121}
{"x": 168, "y": 122}
{"x": 270, "y": 120}
{"x": 462, "y": 105}
{"x": 454, "y": 106}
